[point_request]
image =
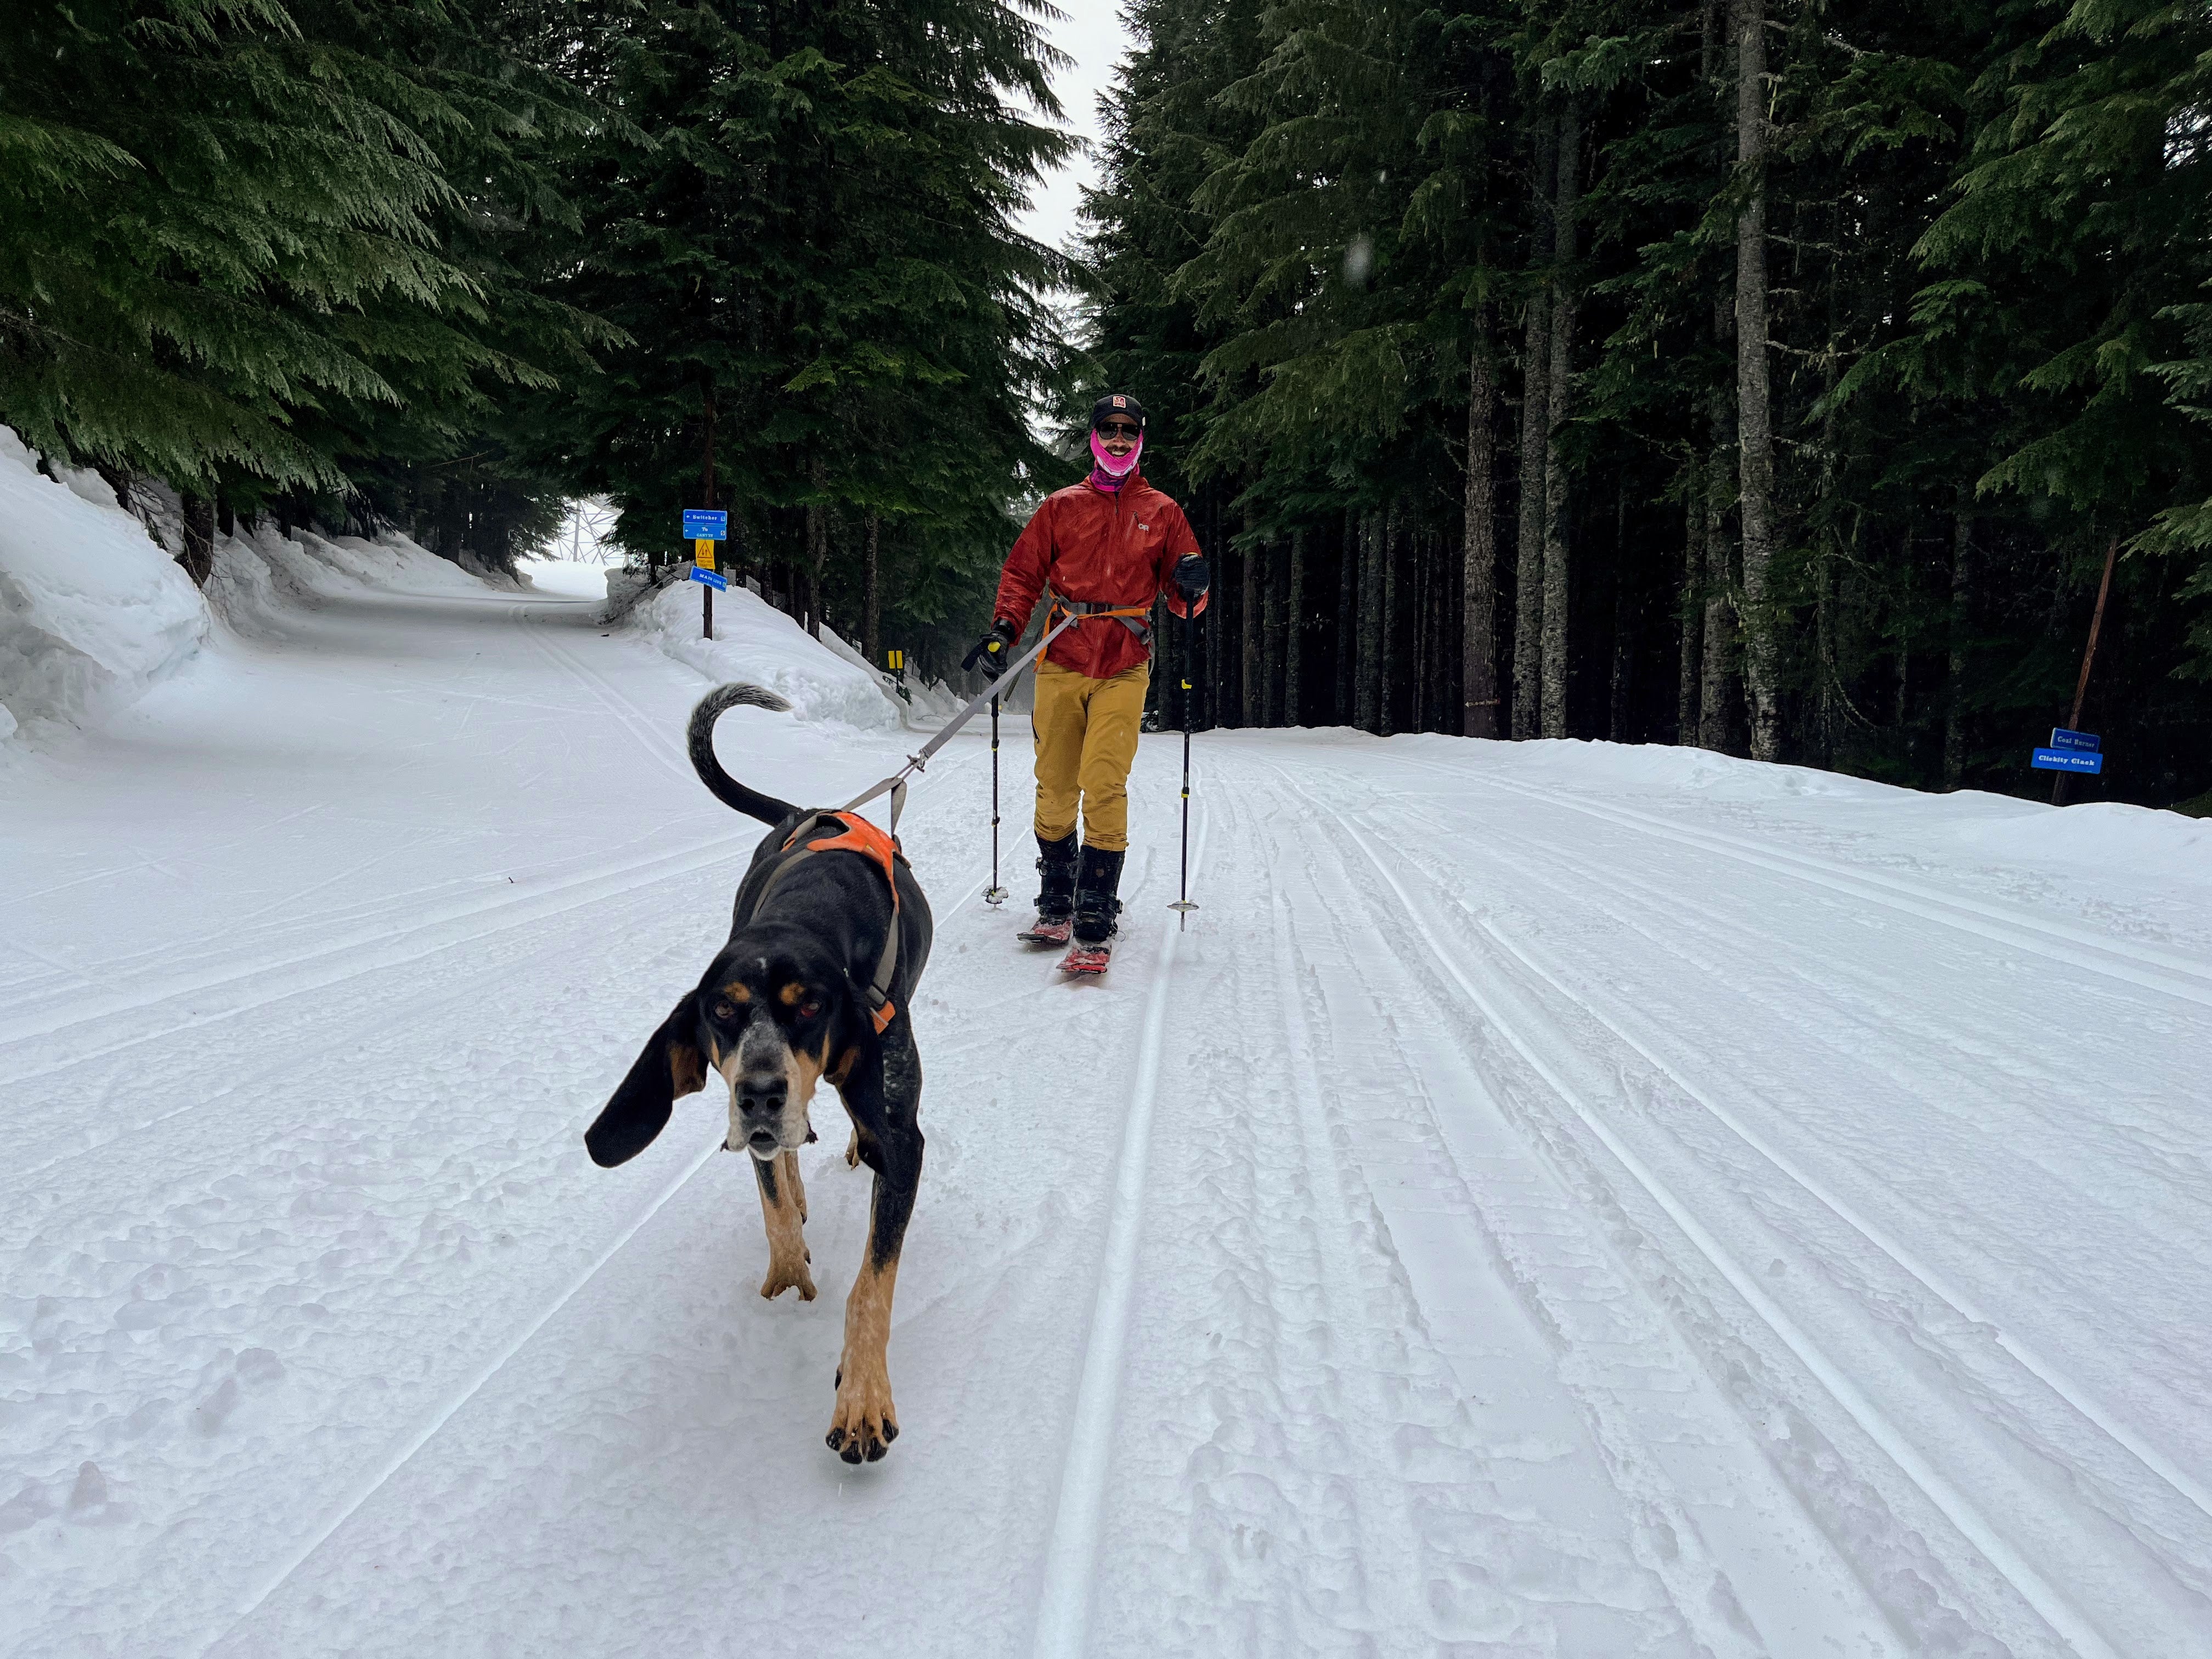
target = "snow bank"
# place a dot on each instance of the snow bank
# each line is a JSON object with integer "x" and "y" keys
{"x": 93, "y": 610}
{"x": 261, "y": 572}
{"x": 2101, "y": 835}
{"x": 2103, "y": 838}
{"x": 825, "y": 679}
{"x": 1578, "y": 764}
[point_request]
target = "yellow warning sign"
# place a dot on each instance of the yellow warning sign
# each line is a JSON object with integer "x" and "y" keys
{"x": 702, "y": 554}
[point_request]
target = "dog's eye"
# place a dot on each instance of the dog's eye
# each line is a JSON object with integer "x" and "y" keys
{"x": 808, "y": 1010}
{"x": 723, "y": 1011}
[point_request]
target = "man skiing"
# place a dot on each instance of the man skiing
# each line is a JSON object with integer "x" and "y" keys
{"x": 1110, "y": 544}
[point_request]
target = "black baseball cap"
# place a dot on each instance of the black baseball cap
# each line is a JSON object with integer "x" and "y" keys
{"x": 1117, "y": 402}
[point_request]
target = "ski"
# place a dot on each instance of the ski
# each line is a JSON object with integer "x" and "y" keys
{"x": 1087, "y": 958}
{"x": 1048, "y": 932}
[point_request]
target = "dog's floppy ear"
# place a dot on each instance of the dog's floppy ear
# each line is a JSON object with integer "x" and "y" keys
{"x": 671, "y": 1064}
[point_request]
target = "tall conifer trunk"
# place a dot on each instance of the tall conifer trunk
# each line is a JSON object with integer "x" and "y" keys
{"x": 873, "y": 647}
{"x": 1687, "y": 605}
{"x": 1954, "y": 699}
{"x": 1720, "y": 578}
{"x": 1270, "y": 644}
{"x": 817, "y": 546}
{"x": 1253, "y": 688}
{"x": 1560, "y": 356}
{"x": 1755, "y": 451}
{"x": 1535, "y": 396}
{"x": 1294, "y": 633}
{"x": 1417, "y": 715}
{"x": 1368, "y": 679}
{"x": 1625, "y": 613}
{"x": 198, "y": 557}
{"x": 1388, "y": 645}
{"x": 1347, "y": 621}
{"x": 1478, "y": 551}
{"x": 1715, "y": 577}
{"x": 1217, "y": 705}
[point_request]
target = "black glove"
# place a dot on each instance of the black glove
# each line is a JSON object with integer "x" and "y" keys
{"x": 1192, "y": 578}
{"x": 991, "y": 649}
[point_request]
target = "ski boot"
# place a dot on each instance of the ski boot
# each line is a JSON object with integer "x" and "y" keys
{"x": 1096, "y": 908}
{"x": 1055, "y": 901}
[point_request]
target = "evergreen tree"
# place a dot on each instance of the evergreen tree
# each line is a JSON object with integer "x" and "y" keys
{"x": 831, "y": 323}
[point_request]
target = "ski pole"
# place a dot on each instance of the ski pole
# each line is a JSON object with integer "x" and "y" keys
{"x": 1182, "y": 882}
{"x": 994, "y": 894}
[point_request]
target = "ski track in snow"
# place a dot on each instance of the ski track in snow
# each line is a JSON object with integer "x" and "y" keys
{"x": 1502, "y": 1221}
{"x": 2038, "y": 1591}
{"x": 1642, "y": 899}
{"x": 2174, "y": 1538}
{"x": 2074, "y": 1394}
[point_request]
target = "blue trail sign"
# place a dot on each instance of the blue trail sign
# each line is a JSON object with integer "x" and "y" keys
{"x": 2068, "y": 760}
{"x": 706, "y": 524}
{"x": 2062, "y": 739}
{"x": 720, "y": 584}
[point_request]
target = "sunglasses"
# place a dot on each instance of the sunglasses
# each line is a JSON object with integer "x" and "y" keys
{"x": 1120, "y": 429}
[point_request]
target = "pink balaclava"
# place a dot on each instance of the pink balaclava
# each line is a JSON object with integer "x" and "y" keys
{"x": 1109, "y": 471}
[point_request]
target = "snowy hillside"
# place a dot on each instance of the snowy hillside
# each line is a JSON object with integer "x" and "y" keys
{"x": 1553, "y": 1199}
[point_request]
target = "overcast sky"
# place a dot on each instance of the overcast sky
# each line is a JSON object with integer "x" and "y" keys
{"x": 1094, "y": 35}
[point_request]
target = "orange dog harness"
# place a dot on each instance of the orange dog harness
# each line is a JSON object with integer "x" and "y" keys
{"x": 872, "y": 843}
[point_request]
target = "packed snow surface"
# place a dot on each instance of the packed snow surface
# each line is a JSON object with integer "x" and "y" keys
{"x": 1553, "y": 1200}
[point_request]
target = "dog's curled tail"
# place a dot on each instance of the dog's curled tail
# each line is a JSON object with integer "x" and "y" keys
{"x": 726, "y": 789}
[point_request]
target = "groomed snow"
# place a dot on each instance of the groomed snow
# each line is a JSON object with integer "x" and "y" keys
{"x": 1553, "y": 1199}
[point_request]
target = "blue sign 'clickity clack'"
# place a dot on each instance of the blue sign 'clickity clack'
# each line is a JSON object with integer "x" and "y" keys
{"x": 2068, "y": 760}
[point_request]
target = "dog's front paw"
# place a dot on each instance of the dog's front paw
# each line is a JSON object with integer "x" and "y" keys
{"x": 787, "y": 1276}
{"x": 853, "y": 1152}
{"x": 864, "y": 1422}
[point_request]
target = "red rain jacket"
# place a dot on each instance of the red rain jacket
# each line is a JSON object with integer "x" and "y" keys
{"x": 1118, "y": 549}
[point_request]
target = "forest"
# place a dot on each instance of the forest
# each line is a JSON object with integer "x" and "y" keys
{"x": 1781, "y": 379}
{"x": 1792, "y": 380}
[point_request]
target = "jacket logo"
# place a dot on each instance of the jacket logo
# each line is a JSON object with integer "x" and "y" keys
{"x": 1141, "y": 524}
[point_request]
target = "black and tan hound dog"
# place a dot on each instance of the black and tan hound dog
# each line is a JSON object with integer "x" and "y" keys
{"x": 816, "y": 981}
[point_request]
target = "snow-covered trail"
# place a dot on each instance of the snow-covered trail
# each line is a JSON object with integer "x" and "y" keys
{"x": 1550, "y": 1201}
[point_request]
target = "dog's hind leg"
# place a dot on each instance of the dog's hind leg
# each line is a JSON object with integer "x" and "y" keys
{"x": 865, "y": 1422}
{"x": 783, "y": 1207}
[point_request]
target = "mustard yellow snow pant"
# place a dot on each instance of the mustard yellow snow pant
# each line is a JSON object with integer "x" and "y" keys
{"x": 1086, "y": 741}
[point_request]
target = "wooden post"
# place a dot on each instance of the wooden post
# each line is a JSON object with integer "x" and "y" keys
{"x": 706, "y": 591}
{"x": 2058, "y": 791}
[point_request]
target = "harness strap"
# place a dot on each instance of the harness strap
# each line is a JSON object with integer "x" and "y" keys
{"x": 872, "y": 843}
{"x": 1137, "y": 618}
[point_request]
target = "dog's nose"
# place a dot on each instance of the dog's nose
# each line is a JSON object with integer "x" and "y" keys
{"x": 762, "y": 1095}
